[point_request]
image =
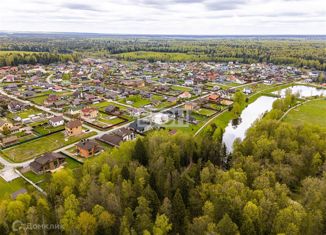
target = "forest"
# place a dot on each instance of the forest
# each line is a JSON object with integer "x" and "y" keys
{"x": 274, "y": 182}
{"x": 298, "y": 52}
{"x": 14, "y": 58}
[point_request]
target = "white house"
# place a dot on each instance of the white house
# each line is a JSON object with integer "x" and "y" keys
{"x": 56, "y": 121}
{"x": 160, "y": 118}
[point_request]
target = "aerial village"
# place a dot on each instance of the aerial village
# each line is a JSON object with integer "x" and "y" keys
{"x": 59, "y": 115}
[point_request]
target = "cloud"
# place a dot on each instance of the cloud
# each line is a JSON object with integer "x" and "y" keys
{"x": 79, "y": 6}
{"x": 166, "y": 16}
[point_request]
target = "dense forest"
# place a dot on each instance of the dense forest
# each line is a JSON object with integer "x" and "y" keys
{"x": 273, "y": 183}
{"x": 14, "y": 58}
{"x": 299, "y": 52}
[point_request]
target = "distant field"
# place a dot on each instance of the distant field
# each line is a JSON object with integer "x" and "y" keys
{"x": 313, "y": 112}
{"x": 163, "y": 56}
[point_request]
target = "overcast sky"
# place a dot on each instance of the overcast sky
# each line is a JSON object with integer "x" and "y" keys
{"x": 197, "y": 17}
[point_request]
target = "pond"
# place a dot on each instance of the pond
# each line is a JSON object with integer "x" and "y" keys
{"x": 303, "y": 91}
{"x": 237, "y": 129}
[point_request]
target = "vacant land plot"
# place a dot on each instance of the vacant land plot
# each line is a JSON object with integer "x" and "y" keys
{"x": 181, "y": 88}
{"x": 313, "y": 112}
{"x": 7, "y": 188}
{"x": 25, "y": 114}
{"x": 40, "y": 146}
{"x": 206, "y": 112}
{"x": 137, "y": 101}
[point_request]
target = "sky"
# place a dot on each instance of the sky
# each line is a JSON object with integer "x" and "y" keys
{"x": 181, "y": 17}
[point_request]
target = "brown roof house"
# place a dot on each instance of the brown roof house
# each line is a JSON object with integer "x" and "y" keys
{"x": 74, "y": 128}
{"x": 118, "y": 136}
{"x": 47, "y": 162}
{"x": 89, "y": 113}
{"x": 88, "y": 148}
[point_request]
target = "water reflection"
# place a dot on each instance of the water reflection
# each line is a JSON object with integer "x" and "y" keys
{"x": 237, "y": 128}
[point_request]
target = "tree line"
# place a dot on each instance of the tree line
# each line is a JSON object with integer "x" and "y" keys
{"x": 17, "y": 58}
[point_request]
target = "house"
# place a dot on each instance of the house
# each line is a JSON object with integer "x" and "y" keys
{"x": 172, "y": 99}
{"x": 88, "y": 148}
{"x": 5, "y": 125}
{"x": 116, "y": 138}
{"x": 160, "y": 118}
{"x": 47, "y": 162}
{"x": 189, "y": 82}
{"x": 191, "y": 106}
{"x": 134, "y": 83}
{"x": 114, "y": 110}
{"x": 8, "y": 140}
{"x": 51, "y": 100}
{"x": 140, "y": 126}
{"x": 89, "y": 113}
{"x": 74, "y": 128}
{"x": 185, "y": 95}
{"x": 247, "y": 91}
{"x": 214, "y": 98}
{"x": 56, "y": 121}
{"x": 15, "y": 106}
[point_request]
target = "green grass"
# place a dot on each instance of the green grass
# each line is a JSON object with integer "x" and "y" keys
{"x": 72, "y": 164}
{"x": 7, "y": 188}
{"x": 181, "y": 88}
{"x": 137, "y": 101}
{"x": 113, "y": 121}
{"x": 34, "y": 177}
{"x": 40, "y": 146}
{"x": 39, "y": 100}
{"x": 102, "y": 105}
{"x": 25, "y": 114}
{"x": 206, "y": 112}
{"x": 313, "y": 112}
{"x": 47, "y": 129}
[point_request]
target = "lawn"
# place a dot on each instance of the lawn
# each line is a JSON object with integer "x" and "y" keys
{"x": 180, "y": 88}
{"x": 102, "y": 105}
{"x": 7, "y": 188}
{"x": 34, "y": 177}
{"x": 39, "y": 100}
{"x": 137, "y": 100}
{"x": 47, "y": 129}
{"x": 40, "y": 146}
{"x": 205, "y": 112}
{"x": 313, "y": 112}
{"x": 25, "y": 114}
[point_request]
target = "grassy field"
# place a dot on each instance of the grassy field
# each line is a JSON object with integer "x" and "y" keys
{"x": 101, "y": 106}
{"x": 180, "y": 88}
{"x": 40, "y": 146}
{"x": 137, "y": 101}
{"x": 206, "y": 112}
{"x": 46, "y": 129}
{"x": 313, "y": 112}
{"x": 25, "y": 114}
{"x": 7, "y": 188}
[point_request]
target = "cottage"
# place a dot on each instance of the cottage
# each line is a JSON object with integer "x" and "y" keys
{"x": 89, "y": 113}
{"x": 6, "y": 141}
{"x": 213, "y": 98}
{"x": 15, "y": 106}
{"x": 88, "y": 148}
{"x": 114, "y": 110}
{"x": 140, "y": 126}
{"x": 185, "y": 95}
{"x": 47, "y": 162}
{"x": 74, "y": 128}
{"x": 116, "y": 138}
{"x": 56, "y": 121}
{"x": 191, "y": 106}
{"x": 51, "y": 100}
